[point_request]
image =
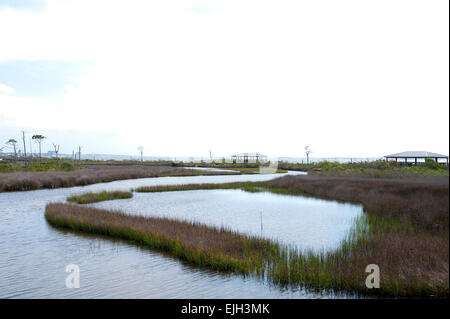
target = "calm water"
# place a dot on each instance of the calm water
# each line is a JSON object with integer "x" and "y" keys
{"x": 33, "y": 255}
{"x": 305, "y": 222}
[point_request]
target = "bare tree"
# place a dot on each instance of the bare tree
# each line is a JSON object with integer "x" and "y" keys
{"x": 56, "y": 148}
{"x": 13, "y": 142}
{"x": 141, "y": 150}
{"x": 79, "y": 153}
{"x": 38, "y": 138}
{"x": 24, "y": 147}
{"x": 31, "y": 151}
{"x": 307, "y": 152}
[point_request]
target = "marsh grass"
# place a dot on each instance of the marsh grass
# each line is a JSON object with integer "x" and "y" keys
{"x": 88, "y": 198}
{"x": 405, "y": 230}
{"x": 248, "y": 186}
{"x": 372, "y": 169}
{"x": 200, "y": 245}
{"x": 24, "y": 181}
{"x": 384, "y": 240}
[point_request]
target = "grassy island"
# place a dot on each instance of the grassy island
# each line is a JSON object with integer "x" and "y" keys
{"x": 88, "y": 198}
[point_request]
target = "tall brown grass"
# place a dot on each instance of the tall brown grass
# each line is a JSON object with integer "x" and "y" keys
{"x": 425, "y": 203}
{"x": 194, "y": 242}
{"x": 409, "y": 228}
{"x": 23, "y": 181}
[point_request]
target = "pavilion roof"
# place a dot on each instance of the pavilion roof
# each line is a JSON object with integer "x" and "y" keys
{"x": 420, "y": 154}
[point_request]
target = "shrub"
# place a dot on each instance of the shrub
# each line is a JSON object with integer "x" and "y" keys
{"x": 431, "y": 163}
{"x": 66, "y": 166}
{"x": 6, "y": 168}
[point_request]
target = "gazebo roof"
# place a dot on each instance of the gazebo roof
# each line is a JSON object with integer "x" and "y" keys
{"x": 249, "y": 154}
{"x": 420, "y": 154}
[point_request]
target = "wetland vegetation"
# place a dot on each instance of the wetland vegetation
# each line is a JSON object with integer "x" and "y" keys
{"x": 88, "y": 198}
{"x": 404, "y": 231}
{"x": 24, "y": 180}
{"x": 372, "y": 169}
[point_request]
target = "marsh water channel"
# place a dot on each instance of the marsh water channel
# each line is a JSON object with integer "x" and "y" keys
{"x": 34, "y": 255}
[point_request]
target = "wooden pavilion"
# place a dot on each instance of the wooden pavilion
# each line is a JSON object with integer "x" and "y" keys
{"x": 415, "y": 157}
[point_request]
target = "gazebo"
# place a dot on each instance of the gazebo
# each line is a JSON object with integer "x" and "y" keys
{"x": 412, "y": 157}
{"x": 249, "y": 158}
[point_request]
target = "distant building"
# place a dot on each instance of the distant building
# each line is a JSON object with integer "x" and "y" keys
{"x": 412, "y": 157}
{"x": 249, "y": 158}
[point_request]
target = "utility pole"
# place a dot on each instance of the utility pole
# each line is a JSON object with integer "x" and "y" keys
{"x": 79, "y": 153}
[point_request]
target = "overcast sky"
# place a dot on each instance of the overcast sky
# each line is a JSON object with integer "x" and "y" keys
{"x": 181, "y": 77}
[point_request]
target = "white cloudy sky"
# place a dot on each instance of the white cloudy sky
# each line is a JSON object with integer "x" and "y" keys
{"x": 180, "y": 77}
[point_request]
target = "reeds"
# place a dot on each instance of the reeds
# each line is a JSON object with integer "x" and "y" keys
{"x": 195, "y": 243}
{"x": 425, "y": 203}
{"x": 24, "y": 181}
{"x": 249, "y": 186}
{"x": 88, "y": 198}
{"x": 408, "y": 235}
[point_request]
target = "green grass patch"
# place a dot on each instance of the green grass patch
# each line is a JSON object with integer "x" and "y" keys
{"x": 46, "y": 165}
{"x": 88, "y": 198}
{"x": 249, "y": 186}
{"x": 372, "y": 169}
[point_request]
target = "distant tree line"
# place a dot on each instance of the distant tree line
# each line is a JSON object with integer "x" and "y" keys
{"x": 13, "y": 146}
